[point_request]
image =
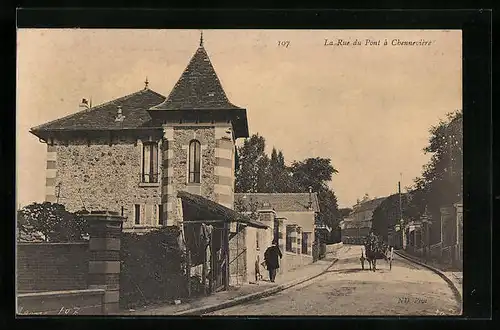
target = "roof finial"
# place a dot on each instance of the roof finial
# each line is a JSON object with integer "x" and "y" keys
{"x": 201, "y": 39}
{"x": 146, "y": 83}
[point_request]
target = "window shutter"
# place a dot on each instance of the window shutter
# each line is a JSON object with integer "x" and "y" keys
{"x": 154, "y": 164}
{"x": 147, "y": 162}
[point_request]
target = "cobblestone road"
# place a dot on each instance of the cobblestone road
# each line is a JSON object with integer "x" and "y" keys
{"x": 407, "y": 289}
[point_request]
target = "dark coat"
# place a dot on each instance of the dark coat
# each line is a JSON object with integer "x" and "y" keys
{"x": 271, "y": 257}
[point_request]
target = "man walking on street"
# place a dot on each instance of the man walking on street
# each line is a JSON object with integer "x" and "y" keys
{"x": 271, "y": 258}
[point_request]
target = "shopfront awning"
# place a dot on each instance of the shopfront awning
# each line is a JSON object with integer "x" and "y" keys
{"x": 197, "y": 208}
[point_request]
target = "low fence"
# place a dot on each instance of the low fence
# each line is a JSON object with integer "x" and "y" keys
{"x": 74, "y": 302}
{"x": 52, "y": 266}
{"x": 445, "y": 255}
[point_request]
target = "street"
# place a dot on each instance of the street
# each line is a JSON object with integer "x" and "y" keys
{"x": 346, "y": 289}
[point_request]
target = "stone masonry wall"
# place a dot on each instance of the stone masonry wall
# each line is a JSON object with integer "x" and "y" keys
{"x": 103, "y": 177}
{"x": 183, "y": 135}
{"x": 238, "y": 257}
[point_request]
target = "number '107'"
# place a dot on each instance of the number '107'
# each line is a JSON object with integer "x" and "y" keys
{"x": 285, "y": 43}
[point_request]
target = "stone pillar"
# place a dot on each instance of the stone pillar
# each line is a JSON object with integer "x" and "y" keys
{"x": 459, "y": 232}
{"x": 293, "y": 237}
{"x": 224, "y": 167}
{"x": 299, "y": 240}
{"x": 459, "y": 221}
{"x": 309, "y": 243}
{"x": 168, "y": 197}
{"x": 282, "y": 242}
{"x": 104, "y": 263}
{"x": 51, "y": 175}
{"x": 267, "y": 216}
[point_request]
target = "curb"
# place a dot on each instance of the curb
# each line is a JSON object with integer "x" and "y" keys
{"x": 240, "y": 300}
{"x": 450, "y": 283}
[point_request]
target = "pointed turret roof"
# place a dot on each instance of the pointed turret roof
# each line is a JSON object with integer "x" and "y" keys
{"x": 198, "y": 87}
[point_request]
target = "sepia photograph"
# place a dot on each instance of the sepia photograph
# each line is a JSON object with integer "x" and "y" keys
{"x": 226, "y": 172}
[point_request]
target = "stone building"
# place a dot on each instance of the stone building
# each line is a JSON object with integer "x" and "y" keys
{"x": 359, "y": 222}
{"x": 167, "y": 161}
{"x": 133, "y": 154}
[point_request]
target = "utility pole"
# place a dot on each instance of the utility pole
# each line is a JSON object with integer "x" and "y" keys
{"x": 402, "y": 227}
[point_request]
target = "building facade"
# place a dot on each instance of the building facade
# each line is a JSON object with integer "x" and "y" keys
{"x": 133, "y": 154}
{"x": 169, "y": 161}
{"x": 291, "y": 219}
{"x": 359, "y": 222}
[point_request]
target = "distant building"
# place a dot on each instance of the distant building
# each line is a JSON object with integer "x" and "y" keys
{"x": 359, "y": 222}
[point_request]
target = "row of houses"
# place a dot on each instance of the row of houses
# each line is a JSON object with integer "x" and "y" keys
{"x": 440, "y": 237}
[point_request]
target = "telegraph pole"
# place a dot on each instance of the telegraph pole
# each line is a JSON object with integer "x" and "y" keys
{"x": 402, "y": 227}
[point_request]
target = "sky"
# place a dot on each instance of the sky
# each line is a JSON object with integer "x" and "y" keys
{"x": 367, "y": 107}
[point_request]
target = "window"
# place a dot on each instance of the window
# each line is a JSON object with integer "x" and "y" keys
{"x": 137, "y": 213}
{"x": 150, "y": 162}
{"x": 160, "y": 214}
{"x": 305, "y": 240}
{"x": 194, "y": 161}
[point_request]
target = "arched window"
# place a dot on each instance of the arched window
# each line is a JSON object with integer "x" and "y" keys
{"x": 194, "y": 161}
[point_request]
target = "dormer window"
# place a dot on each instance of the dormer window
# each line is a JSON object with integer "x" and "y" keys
{"x": 150, "y": 162}
{"x": 194, "y": 162}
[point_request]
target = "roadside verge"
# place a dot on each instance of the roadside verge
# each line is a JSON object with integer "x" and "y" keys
{"x": 456, "y": 292}
{"x": 262, "y": 294}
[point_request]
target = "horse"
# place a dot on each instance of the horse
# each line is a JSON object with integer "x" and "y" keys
{"x": 383, "y": 252}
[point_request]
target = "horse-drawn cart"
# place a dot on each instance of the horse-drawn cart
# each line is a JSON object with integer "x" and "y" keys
{"x": 373, "y": 251}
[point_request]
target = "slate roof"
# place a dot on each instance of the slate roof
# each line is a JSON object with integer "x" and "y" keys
{"x": 280, "y": 202}
{"x": 217, "y": 211}
{"x": 102, "y": 117}
{"x": 197, "y": 88}
{"x": 370, "y": 205}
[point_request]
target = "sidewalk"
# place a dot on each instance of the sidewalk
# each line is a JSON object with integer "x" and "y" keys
{"x": 453, "y": 275}
{"x": 234, "y": 293}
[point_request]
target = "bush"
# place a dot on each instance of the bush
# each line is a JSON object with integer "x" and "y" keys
{"x": 151, "y": 268}
{"x": 50, "y": 222}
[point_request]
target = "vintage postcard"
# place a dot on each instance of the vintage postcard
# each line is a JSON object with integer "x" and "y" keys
{"x": 239, "y": 172}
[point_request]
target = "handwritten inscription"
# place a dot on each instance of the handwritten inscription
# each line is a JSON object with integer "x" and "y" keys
{"x": 284, "y": 43}
{"x": 407, "y": 300}
{"x": 369, "y": 42}
{"x": 62, "y": 311}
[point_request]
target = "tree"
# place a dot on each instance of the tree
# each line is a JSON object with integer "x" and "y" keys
{"x": 313, "y": 172}
{"x": 252, "y": 165}
{"x": 52, "y": 222}
{"x": 256, "y": 172}
{"x": 250, "y": 208}
{"x": 280, "y": 176}
{"x": 316, "y": 173}
{"x": 387, "y": 214}
{"x": 344, "y": 212}
{"x": 441, "y": 182}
